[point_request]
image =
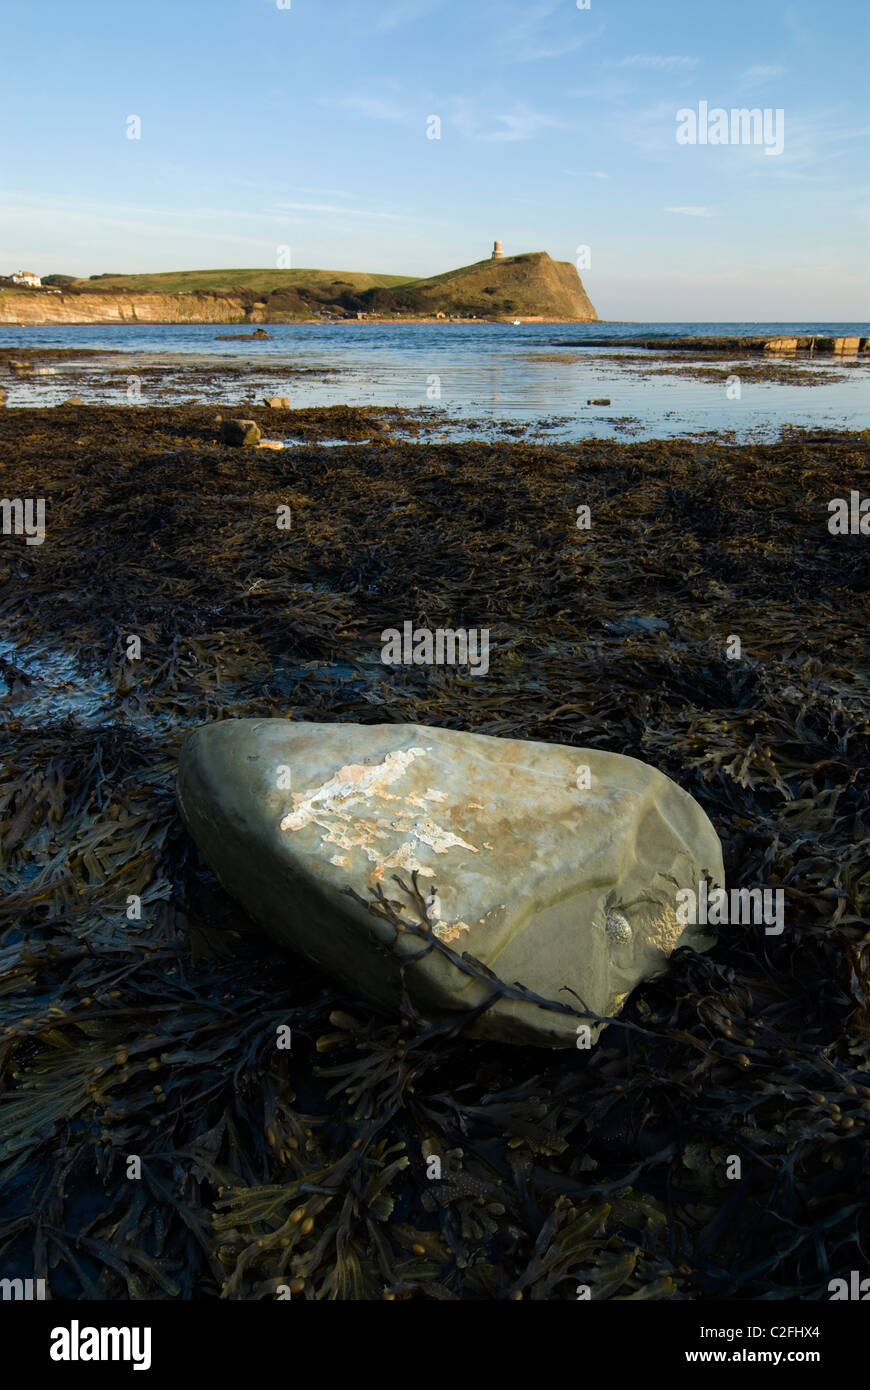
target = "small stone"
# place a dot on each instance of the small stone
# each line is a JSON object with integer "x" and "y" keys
{"x": 239, "y": 432}
{"x": 73, "y": 400}
{"x": 271, "y": 444}
{"x": 276, "y": 402}
{"x": 566, "y": 891}
{"x": 603, "y": 400}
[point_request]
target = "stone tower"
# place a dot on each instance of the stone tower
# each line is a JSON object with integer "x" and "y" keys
{"x": 496, "y": 251}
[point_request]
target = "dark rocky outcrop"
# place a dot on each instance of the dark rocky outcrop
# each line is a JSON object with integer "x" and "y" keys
{"x": 240, "y": 432}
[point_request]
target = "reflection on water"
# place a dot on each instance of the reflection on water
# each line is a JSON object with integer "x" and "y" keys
{"x": 489, "y": 374}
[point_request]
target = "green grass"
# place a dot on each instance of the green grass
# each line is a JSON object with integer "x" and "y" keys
{"x": 177, "y": 281}
{"x": 488, "y": 263}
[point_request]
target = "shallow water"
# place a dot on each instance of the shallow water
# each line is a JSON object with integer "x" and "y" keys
{"x": 41, "y": 686}
{"x": 482, "y": 376}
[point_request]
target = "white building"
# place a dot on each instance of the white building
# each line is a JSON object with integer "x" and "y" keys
{"x": 26, "y": 277}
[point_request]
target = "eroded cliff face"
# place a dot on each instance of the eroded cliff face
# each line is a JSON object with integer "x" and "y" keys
{"x": 531, "y": 286}
{"x": 104, "y": 307}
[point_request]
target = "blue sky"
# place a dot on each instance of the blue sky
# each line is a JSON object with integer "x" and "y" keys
{"x": 307, "y": 127}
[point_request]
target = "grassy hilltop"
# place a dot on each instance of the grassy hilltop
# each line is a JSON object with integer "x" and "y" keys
{"x": 224, "y": 281}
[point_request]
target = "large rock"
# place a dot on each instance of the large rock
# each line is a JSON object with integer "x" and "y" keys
{"x": 555, "y": 867}
{"x": 239, "y": 432}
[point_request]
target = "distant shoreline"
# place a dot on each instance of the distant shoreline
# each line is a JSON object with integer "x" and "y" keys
{"x": 44, "y": 311}
{"x": 275, "y": 323}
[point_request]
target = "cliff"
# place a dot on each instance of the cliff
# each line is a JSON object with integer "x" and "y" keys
{"x": 528, "y": 286}
{"x": 108, "y": 306}
{"x": 531, "y": 286}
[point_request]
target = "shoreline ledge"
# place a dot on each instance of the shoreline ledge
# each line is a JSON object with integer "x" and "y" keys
{"x": 784, "y": 344}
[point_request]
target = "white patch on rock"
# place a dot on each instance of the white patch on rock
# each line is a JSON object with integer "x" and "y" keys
{"x": 332, "y": 807}
{"x": 437, "y": 838}
{"x": 428, "y": 795}
{"x": 405, "y": 858}
{"x": 348, "y": 787}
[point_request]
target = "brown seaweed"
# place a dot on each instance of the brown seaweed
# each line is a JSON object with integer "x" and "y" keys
{"x": 310, "y": 1170}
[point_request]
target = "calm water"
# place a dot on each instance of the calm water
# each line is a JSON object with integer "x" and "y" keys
{"x": 482, "y": 376}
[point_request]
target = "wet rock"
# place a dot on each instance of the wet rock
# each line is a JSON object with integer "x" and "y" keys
{"x": 276, "y": 402}
{"x": 73, "y": 400}
{"x": 638, "y": 622}
{"x": 239, "y": 432}
{"x": 554, "y": 867}
{"x": 271, "y": 444}
{"x": 602, "y": 400}
{"x": 2, "y": 397}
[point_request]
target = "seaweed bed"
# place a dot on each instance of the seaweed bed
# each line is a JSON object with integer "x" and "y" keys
{"x": 156, "y": 1037}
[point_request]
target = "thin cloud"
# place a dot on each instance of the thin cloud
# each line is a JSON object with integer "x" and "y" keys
{"x": 555, "y": 49}
{"x": 406, "y": 12}
{"x": 96, "y": 218}
{"x": 523, "y": 123}
{"x": 761, "y": 72}
{"x": 345, "y": 212}
{"x": 533, "y": 38}
{"x": 375, "y": 108}
{"x": 656, "y": 61}
{"x": 691, "y": 212}
{"x": 520, "y": 125}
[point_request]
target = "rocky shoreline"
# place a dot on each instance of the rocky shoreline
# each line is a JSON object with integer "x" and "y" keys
{"x": 779, "y": 345}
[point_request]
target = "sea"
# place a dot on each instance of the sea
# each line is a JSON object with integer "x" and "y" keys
{"x": 467, "y": 379}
